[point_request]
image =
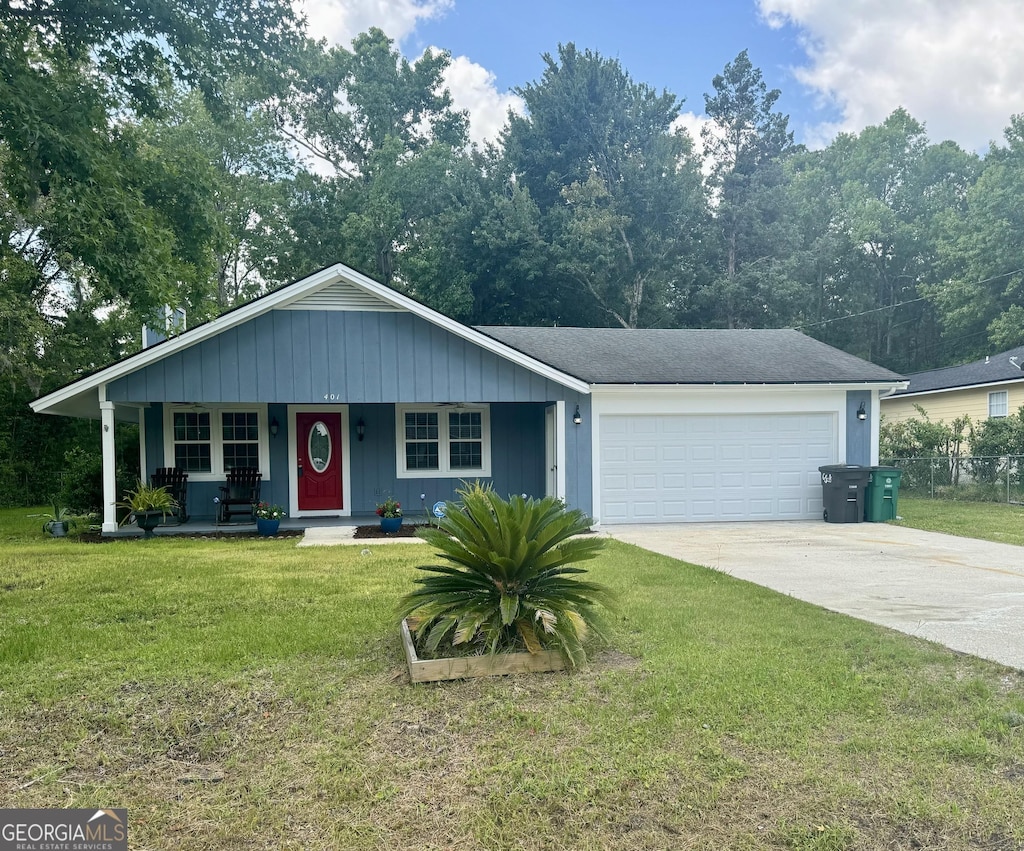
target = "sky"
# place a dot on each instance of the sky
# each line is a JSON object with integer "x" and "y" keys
{"x": 841, "y": 65}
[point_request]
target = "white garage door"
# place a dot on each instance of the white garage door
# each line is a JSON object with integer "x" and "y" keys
{"x": 667, "y": 468}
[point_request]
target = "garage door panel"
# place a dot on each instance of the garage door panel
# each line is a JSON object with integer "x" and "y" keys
{"x": 724, "y": 467}
{"x": 732, "y": 452}
{"x": 703, "y": 453}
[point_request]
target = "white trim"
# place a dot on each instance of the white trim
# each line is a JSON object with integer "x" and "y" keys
{"x": 443, "y": 441}
{"x": 109, "y": 469}
{"x": 217, "y": 471}
{"x": 1006, "y": 403}
{"x": 799, "y": 387}
{"x": 958, "y": 389}
{"x": 560, "y": 447}
{"x": 283, "y": 297}
{"x": 876, "y": 428}
{"x": 554, "y": 442}
{"x": 346, "y": 458}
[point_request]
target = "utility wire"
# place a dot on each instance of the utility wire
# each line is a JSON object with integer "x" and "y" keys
{"x": 900, "y": 304}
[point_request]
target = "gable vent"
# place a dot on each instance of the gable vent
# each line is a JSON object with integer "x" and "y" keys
{"x": 342, "y": 296}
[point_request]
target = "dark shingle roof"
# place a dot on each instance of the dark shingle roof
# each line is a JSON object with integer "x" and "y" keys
{"x": 990, "y": 370}
{"x": 687, "y": 356}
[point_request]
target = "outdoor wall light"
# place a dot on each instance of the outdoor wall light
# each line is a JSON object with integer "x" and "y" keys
{"x": 360, "y": 429}
{"x": 861, "y": 413}
{"x": 275, "y": 427}
{"x": 576, "y": 418}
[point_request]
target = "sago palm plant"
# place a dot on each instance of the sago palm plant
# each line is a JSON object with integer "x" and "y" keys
{"x": 510, "y": 581}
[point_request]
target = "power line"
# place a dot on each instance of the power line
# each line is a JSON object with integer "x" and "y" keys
{"x": 899, "y": 304}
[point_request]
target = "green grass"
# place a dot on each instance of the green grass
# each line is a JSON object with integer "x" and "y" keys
{"x": 989, "y": 521}
{"x": 248, "y": 694}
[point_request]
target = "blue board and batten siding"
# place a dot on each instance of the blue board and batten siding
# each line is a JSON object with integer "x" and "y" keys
{"x": 369, "y": 361}
{"x": 858, "y": 432}
{"x": 303, "y": 357}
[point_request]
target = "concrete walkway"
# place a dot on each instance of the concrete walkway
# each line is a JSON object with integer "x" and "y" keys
{"x": 960, "y": 592}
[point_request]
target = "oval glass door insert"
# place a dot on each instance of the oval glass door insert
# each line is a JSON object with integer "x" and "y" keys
{"x": 319, "y": 447}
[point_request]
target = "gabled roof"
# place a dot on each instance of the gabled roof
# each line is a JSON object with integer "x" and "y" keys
{"x": 994, "y": 369}
{"x": 689, "y": 356}
{"x": 335, "y": 288}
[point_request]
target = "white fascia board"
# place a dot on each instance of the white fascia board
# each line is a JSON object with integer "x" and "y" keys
{"x": 723, "y": 389}
{"x": 912, "y": 394}
{"x": 281, "y": 298}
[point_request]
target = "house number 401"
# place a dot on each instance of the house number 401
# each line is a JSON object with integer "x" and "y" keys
{"x": 332, "y": 397}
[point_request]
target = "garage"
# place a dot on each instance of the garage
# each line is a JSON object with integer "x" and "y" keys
{"x": 677, "y": 467}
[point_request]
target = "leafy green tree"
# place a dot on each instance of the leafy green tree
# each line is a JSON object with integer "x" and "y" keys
{"x": 509, "y": 580}
{"x": 747, "y": 141}
{"x": 981, "y": 301}
{"x": 875, "y": 203}
{"x": 387, "y": 129}
{"x": 618, "y": 191}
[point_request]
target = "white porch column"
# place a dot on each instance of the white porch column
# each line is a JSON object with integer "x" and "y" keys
{"x": 109, "y": 477}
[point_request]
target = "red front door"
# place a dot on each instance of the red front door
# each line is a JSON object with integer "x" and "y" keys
{"x": 318, "y": 450}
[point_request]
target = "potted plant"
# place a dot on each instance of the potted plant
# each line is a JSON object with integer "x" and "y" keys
{"x": 268, "y": 518}
{"x": 149, "y": 506}
{"x": 390, "y": 513}
{"x": 509, "y": 597}
{"x": 56, "y": 524}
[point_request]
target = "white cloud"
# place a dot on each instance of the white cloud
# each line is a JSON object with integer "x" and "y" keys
{"x": 340, "y": 21}
{"x": 472, "y": 88}
{"x": 471, "y": 85}
{"x": 694, "y": 125}
{"x": 952, "y": 64}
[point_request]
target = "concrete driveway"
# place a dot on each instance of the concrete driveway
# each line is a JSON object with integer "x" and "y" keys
{"x": 960, "y": 592}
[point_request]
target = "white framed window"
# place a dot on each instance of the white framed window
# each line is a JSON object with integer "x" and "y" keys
{"x": 997, "y": 404}
{"x": 208, "y": 440}
{"x": 435, "y": 441}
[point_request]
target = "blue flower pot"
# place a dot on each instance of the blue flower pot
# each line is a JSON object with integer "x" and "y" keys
{"x": 267, "y": 527}
{"x": 390, "y": 525}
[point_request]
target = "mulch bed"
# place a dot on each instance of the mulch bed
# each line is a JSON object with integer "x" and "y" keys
{"x": 404, "y": 531}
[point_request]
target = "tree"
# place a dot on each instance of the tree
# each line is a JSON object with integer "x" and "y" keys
{"x": 747, "y": 142}
{"x": 618, "y": 190}
{"x": 387, "y": 128}
{"x": 101, "y": 219}
{"x": 981, "y": 301}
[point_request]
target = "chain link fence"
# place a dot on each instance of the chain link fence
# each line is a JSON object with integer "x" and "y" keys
{"x": 979, "y": 478}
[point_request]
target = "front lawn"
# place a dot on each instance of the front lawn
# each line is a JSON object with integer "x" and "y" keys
{"x": 248, "y": 694}
{"x": 990, "y": 521}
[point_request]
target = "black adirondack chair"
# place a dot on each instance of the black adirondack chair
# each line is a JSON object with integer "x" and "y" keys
{"x": 175, "y": 481}
{"x": 240, "y": 494}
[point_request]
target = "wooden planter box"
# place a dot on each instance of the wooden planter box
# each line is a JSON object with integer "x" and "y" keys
{"x": 462, "y": 667}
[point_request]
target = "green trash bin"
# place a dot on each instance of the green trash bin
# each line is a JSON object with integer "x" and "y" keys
{"x": 881, "y": 501}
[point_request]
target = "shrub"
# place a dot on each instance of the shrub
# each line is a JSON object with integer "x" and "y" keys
{"x": 509, "y": 583}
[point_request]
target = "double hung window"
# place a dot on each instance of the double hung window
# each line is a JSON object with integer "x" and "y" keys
{"x": 207, "y": 443}
{"x": 440, "y": 440}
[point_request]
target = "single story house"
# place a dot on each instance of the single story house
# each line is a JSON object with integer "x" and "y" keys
{"x": 343, "y": 391}
{"x": 991, "y": 387}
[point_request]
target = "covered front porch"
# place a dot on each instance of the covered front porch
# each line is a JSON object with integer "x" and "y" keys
{"x": 335, "y": 462}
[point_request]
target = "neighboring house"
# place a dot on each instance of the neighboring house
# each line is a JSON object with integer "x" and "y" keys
{"x": 992, "y": 387}
{"x": 343, "y": 391}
